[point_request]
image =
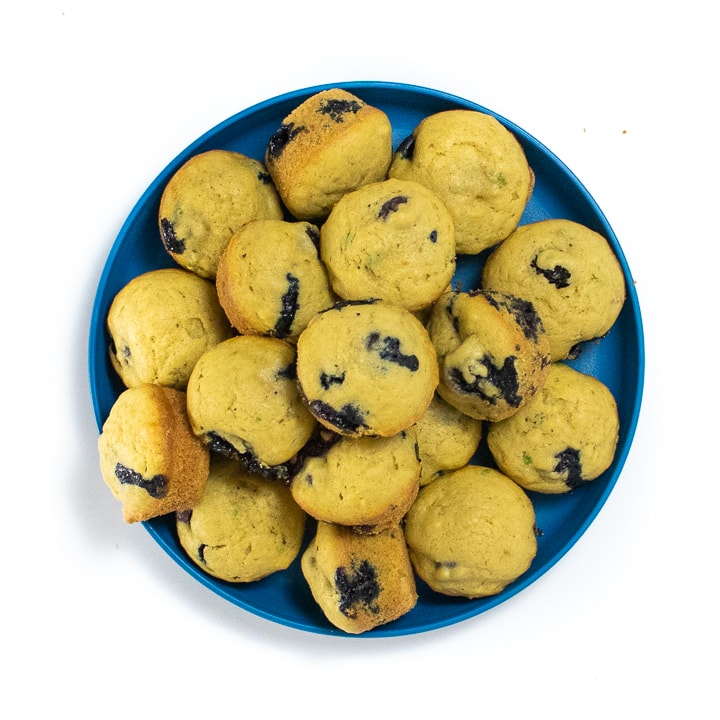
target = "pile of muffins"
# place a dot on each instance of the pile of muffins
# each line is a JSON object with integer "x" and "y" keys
{"x": 308, "y": 360}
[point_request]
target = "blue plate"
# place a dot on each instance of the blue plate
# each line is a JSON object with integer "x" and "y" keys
{"x": 617, "y": 359}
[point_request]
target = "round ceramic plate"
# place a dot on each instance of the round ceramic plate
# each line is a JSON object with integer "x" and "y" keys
{"x": 617, "y": 359}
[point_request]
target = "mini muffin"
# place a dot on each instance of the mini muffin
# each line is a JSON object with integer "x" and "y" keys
{"x": 149, "y": 456}
{"x": 359, "y": 581}
{"x": 393, "y": 240}
{"x": 160, "y": 323}
{"x": 212, "y": 195}
{"x": 244, "y": 528}
{"x": 471, "y": 532}
{"x": 270, "y": 279}
{"x": 243, "y": 400}
{"x": 570, "y": 274}
{"x": 492, "y": 352}
{"x": 447, "y": 439}
{"x": 366, "y": 368}
{"x": 329, "y": 145}
{"x": 366, "y": 482}
{"x": 476, "y": 167}
{"x": 564, "y": 437}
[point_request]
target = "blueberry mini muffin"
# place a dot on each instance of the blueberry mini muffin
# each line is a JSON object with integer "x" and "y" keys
{"x": 393, "y": 240}
{"x": 244, "y": 528}
{"x": 149, "y": 456}
{"x": 492, "y": 352}
{"x": 570, "y": 274}
{"x": 366, "y": 482}
{"x": 270, "y": 279}
{"x": 563, "y": 438}
{"x": 476, "y": 167}
{"x": 160, "y": 323}
{"x": 471, "y": 532}
{"x": 447, "y": 439}
{"x": 329, "y": 145}
{"x": 359, "y": 581}
{"x": 212, "y": 195}
{"x": 243, "y": 400}
{"x": 366, "y": 368}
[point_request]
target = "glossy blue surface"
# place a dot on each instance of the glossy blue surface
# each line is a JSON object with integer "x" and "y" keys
{"x": 617, "y": 359}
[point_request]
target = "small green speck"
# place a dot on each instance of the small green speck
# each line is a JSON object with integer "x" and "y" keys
{"x": 527, "y": 459}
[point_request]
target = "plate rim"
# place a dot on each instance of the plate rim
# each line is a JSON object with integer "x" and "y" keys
{"x": 97, "y": 322}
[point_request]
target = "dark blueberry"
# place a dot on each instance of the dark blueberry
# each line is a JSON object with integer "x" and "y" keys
{"x": 309, "y": 479}
{"x": 337, "y": 109}
{"x": 569, "y": 461}
{"x": 407, "y": 147}
{"x": 523, "y": 311}
{"x": 289, "y": 307}
{"x": 320, "y": 442}
{"x": 171, "y": 242}
{"x": 221, "y": 446}
{"x": 557, "y": 276}
{"x": 526, "y": 317}
{"x": 538, "y": 531}
{"x": 281, "y": 138}
{"x": 289, "y": 372}
{"x": 156, "y": 486}
{"x": 358, "y": 588}
{"x": 433, "y": 236}
{"x": 504, "y": 379}
{"x": 184, "y": 516}
{"x": 492, "y": 298}
{"x": 391, "y": 206}
{"x": 201, "y": 553}
{"x": 264, "y": 178}
{"x": 445, "y": 564}
{"x": 348, "y": 419}
{"x": 389, "y": 349}
{"x": 318, "y": 445}
{"x": 326, "y": 380}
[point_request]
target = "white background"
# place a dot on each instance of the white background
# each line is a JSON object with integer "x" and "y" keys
{"x": 97, "y": 97}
